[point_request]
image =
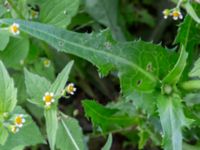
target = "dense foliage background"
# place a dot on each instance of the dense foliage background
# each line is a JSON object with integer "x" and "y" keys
{"x": 136, "y": 83}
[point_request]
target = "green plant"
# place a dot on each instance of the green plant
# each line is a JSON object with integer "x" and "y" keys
{"x": 159, "y": 99}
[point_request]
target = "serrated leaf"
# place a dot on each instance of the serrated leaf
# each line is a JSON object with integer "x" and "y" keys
{"x": 51, "y": 126}
{"x": 36, "y": 87}
{"x": 106, "y": 12}
{"x": 8, "y": 93}
{"x": 61, "y": 79}
{"x": 28, "y": 135}
{"x": 108, "y": 144}
{"x": 172, "y": 120}
{"x": 4, "y": 39}
{"x": 57, "y": 12}
{"x": 140, "y": 64}
{"x": 15, "y": 52}
{"x": 106, "y": 118}
{"x": 69, "y": 135}
{"x": 175, "y": 74}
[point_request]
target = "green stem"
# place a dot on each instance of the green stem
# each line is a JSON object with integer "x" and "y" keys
{"x": 15, "y": 9}
{"x": 191, "y": 85}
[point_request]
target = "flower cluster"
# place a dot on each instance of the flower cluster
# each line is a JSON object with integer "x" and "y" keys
{"x": 175, "y": 13}
{"x": 49, "y": 97}
{"x": 19, "y": 121}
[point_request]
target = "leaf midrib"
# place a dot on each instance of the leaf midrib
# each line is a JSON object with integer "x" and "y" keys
{"x": 70, "y": 135}
{"x": 120, "y": 59}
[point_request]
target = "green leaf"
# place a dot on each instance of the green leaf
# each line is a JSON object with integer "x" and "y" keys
{"x": 3, "y": 135}
{"x": 175, "y": 74}
{"x": 2, "y": 10}
{"x": 51, "y": 126}
{"x": 172, "y": 120}
{"x": 140, "y": 64}
{"x": 195, "y": 72}
{"x": 69, "y": 135}
{"x": 4, "y": 39}
{"x": 8, "y": 94}
{"x": 188, "y": 35}
{"x": 61, "y": 79}
{"x": 106, "y": 118}
{"x": 28, "y": 135}
{"x": 42, "y": 70}
{"x": 191, "y": 147}
{"x": 19, "y": 80}
{"x": 36, "y": 87}
{"x": 57, "y": 12}
{"x": 15, "y": 52}
{"x": 108, "y": 144}
{"x": 191, "y": 12}
{"x": 144, "y": 136}
{"x": 106, "y": 12}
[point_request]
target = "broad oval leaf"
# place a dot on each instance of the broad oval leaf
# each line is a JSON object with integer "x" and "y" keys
{"x": 15, "y": 52}
{"x": 8, "y": 93}
{"x": 57, "y": 12}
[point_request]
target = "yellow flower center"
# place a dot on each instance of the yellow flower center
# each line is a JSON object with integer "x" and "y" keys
{"x": 48, "y": 98}
{"x": 15, "y": 28}
{"x": 175, "y": 14}
{"x": 70, "y": 88}
{"x": 46, "y": 62}
{"x": 18, "y": 120}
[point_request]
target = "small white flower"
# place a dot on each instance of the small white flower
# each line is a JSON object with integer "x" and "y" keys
{"x": 19, "y": 120}
{"x": 176, "y": 14}
{"x": 14, "y": 29}
{"x": 48, "y": 98}
{"x": 71, "y": 88}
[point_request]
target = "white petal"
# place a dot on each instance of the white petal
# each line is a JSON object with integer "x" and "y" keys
{"x": 51, "y": 94}
{"x": 23, "y": 120}
{"x": 48, "y": 103}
